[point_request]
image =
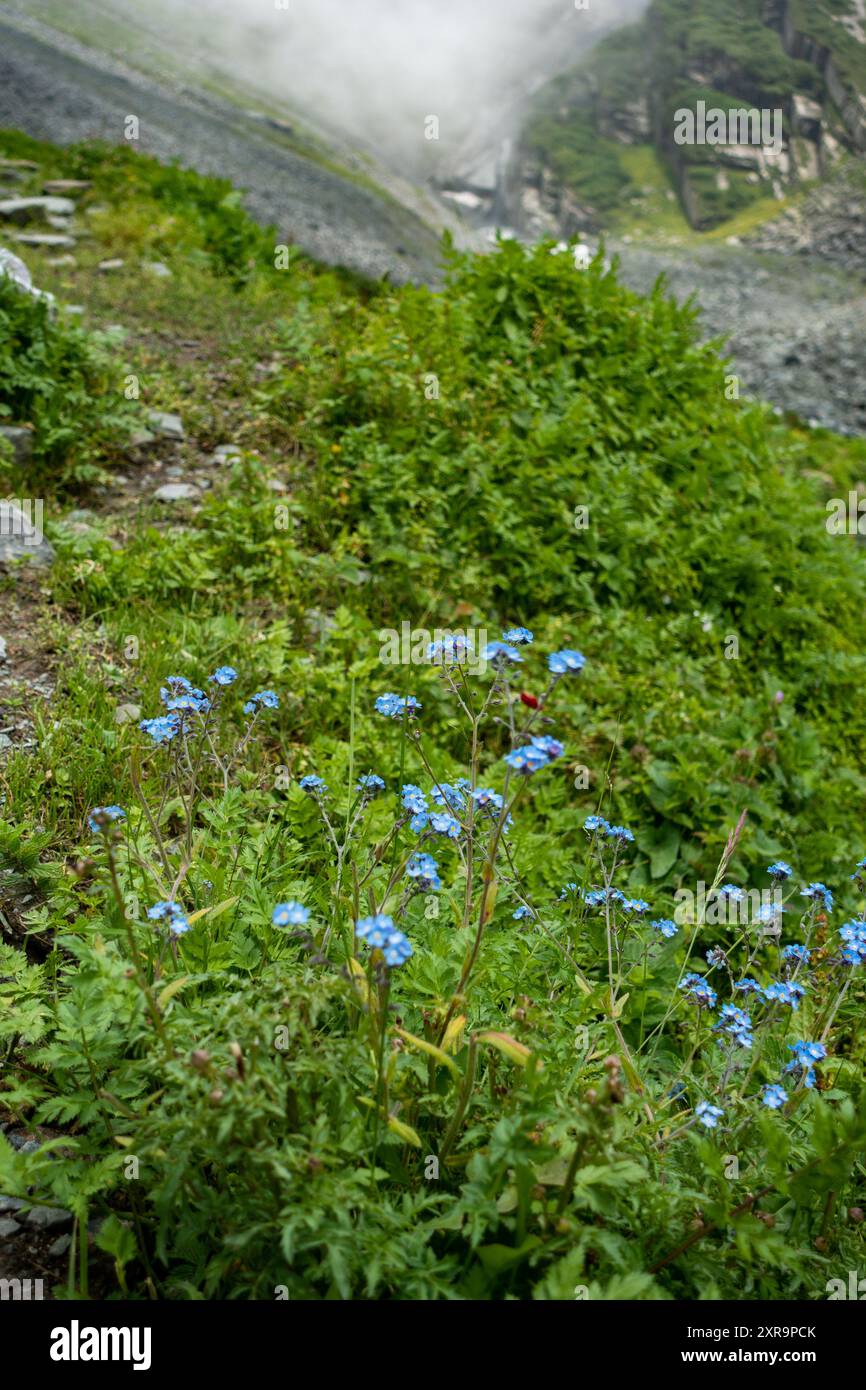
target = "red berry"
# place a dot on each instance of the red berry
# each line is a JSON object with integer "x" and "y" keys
{"x": 530, "y": 700}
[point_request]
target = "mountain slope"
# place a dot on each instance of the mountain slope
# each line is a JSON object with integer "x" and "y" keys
{"x": 57, "y": 89}
{"x": 809, "y": 61}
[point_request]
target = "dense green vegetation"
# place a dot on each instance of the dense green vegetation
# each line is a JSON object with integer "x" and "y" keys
{"x": 437, "y": 458}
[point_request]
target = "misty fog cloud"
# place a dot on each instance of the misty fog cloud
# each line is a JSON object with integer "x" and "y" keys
{"x": 375, "y": 69}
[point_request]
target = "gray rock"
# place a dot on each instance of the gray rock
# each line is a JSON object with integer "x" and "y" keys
{"x": 57, "y": 262}
{"x": 62, "y": 241}
{"x": 21, "y": 539}
{"x": 30, "y": 1146}
{"x": 60, "y": 1246}
{"x": 24, "y": 210}
{"x": 127, "y": 714}
{"x": 159, "y": 269}
{"x": 142, "y": 439}
{"x": 2, "y": 659}
{"x": 8, "y": 1204}
{"x": 115, "y": 264}
{"x": 226, "y": 454}
{"x": 175, "y": 492}
{"x": 9, "y": 1228}
{"x": 61, "y": 186}
{"x": 49, "y": 1219}
{"x": 14, "y": 269}
{"x": 171, "y": 426}
{"x": 21, "y": 440}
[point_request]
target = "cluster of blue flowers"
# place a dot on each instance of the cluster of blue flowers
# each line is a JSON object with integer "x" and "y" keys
{"x": 439, "y": 822}
{"x": 290, "y": 914}
{"x": 708, "y": 1114}
{"x": 665, "y": 927}
{"x": 424, "y": 870}
{"x": 788, "y": 992}
{"x": 600, "y": 897}
{"x": 183, "y": 701}
{"x": 538, "y": 753}
{"x": 736, "y": 1024}
{"x": 452, "y": 794}
{"x": 819, "y": 892}
{"x": 379, "y": 933}
{"x": 699, "y": 991}
{"x": 172, "y": 913}
{"x": 370, "y": 785}
{"x": 805, "y": 1056}
{"x": 780, "y": 870}
{"x": 566, "y": 662}
{"x": 501, "y": 654}
{"x": 450, "y": 650}
{"x": 263, "y": 699}
{"x": 597, "y": 825}
{"x": 396, "y": 706}
{"x": 313, "y": 785}
{"x": 853, "y": 935}
{"x": 101, "y": 817}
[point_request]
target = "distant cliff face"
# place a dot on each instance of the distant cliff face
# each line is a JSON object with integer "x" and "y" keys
{"x": 801, "y": 64}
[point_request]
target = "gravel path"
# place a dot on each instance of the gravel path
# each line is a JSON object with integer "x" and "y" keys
{"x": 795, "y": 326}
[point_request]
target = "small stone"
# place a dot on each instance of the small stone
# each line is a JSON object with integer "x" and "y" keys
{"x": 61, "y": 186}
{"x": 9, "y": 1228}
{"x": 58, "y": 262}
{"x": 34, "y": 209}
{"x": 2, "y": 650}
{"x": 159, "y": 269}
{"x": 21, "y": 441}
{"x": 59, "y": 1246}
{"x": 127, "y": 714}
{"x": 21, "y": 537}
{"x": 49, "y": 1218}
{"x": 226, "y": 454}
{"x": 142, "y": 439}
{"x": 175, "y": 492}
{"x": 8, "y": 1204}
{"x": 166, "y": 424}
{"x": 115, "y": 264}
{"x": 55, "y": 239}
